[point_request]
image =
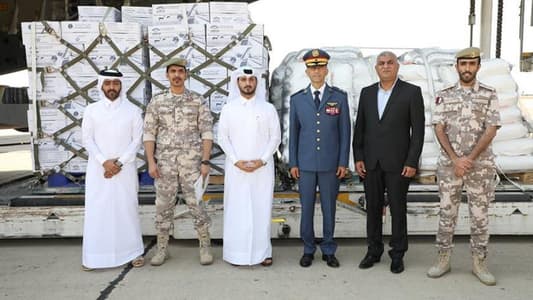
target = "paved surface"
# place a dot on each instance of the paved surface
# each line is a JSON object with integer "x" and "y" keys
{"x": 50, "y": 269}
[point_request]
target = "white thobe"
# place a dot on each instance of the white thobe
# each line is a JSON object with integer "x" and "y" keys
{"x": 248, "y": 130}
{"x": 111, "y": 232}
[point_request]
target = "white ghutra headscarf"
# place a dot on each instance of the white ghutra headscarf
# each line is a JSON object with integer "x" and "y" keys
{"x": 110, "y": 74}
{"x": 260, "y": 91}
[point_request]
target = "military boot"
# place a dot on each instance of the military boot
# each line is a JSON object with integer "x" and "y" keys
{"x": 479, "y": 268}
{"x": 442, "y": 265}
{"x": 161, "y": 253}
{"x": 206, "y": 258}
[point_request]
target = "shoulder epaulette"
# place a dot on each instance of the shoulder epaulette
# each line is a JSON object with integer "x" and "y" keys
{"x": 488, "y": 87}
{"x": 193, "y": 93}
{"x": 339, "y": 90}
{"x": 160, "y": 93}
{"x": 450, "y": 86}
{"x": 299, "y": 92}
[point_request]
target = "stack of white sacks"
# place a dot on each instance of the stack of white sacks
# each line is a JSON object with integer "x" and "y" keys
{"x": 348, "y": 70}
{"x": 432, "y": 70}
{"x": 421, "y": 67}
{"x": 513, "y": 145}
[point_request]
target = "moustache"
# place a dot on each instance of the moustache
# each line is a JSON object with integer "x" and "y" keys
{"x": 470, "y": 73}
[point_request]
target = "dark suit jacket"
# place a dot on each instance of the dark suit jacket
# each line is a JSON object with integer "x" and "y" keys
{"x": 397, "y": 138}
{"x": 319, "y": 140}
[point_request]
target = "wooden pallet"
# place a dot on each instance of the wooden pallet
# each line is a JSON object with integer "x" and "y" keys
{"x": 524, "y": 177}
{"x": 428, "y": 179}
{"x": 216, "y": 179}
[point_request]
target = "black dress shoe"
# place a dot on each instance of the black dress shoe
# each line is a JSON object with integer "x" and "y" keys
{"x": 369, "y": 261}
{"x": 397, "y": 265}
{"x": 331, "y": 260}
{"x": 306, "y": 260}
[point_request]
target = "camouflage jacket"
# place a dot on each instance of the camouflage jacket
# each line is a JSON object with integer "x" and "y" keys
{"x": 177, "y": 122}
{"x": 466, "y": 114}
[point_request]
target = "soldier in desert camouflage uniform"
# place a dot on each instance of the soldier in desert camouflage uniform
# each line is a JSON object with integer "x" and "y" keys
{"x": 178, "y": 139}
{"x": 466, "y": 119}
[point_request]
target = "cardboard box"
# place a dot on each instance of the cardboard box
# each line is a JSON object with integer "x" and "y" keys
{"x": 216, "y": 102}
{"x": 137, "y": 14}
{"x": 52, "y": 120}
{"x": 50, "y": 154}
{"x": 73, "y": 137}
{"x": 228, "y": 7}
{"x": 41, "y": 35}
{"x": 76, "y": 165}
{"x": 229, "y": 13}
{"x": 50, "y": 87}
{"x": 98, "y": 14}
{"x": 168, "y": 35}
{"x": 230, "y": 19}
{"x": 169, "y": 14}
{"x": 47, "y": 55}
{"x": 220, "y": 35}
{"x": 202, "y": 88}
{"x": 76, "y": 107}
{"x": 197, "y": 13}
{"x": 197, "y": 35}
{"x": 252, "y": 56}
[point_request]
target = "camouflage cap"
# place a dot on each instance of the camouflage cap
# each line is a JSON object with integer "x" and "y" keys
{"x": 472, "y": 52}
{"x": 176, "y": 61}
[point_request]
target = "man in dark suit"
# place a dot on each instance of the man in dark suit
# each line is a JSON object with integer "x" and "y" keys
{"x": 388, "y": 138}
{"x": 319, "y": 146}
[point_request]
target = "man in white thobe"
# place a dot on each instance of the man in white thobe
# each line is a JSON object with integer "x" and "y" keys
{"x": 249, "y": 134}
{"x": 112, "y": 132}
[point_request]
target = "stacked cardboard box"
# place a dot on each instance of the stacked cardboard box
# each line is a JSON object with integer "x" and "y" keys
{"x": 64, "y": 82}
{"x": 229, "y": 13}
{"x": 215, "y": 38}
{"x": 98, "y": 14}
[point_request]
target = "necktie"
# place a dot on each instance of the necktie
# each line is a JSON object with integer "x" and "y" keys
{"x": 317, "y": 99}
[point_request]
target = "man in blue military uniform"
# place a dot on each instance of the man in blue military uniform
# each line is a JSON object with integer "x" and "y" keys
{"x": 319, "y": 146}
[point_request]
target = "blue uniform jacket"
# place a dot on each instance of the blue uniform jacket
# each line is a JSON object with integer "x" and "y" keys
{"x": 319, "y": 139}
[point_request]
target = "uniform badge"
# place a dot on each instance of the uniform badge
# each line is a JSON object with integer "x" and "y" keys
{"x": 315, "y": 53}
{"x": 332, "y": 108}
{"x": 438, "y": 100}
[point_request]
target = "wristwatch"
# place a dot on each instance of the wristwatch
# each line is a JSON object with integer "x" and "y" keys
{"x": 118, "y": 163}
{"x": 205, "y": 162}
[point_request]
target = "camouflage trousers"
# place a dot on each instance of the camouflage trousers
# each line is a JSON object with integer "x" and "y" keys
{"x": 479, "y": 186}
{"x": 179, "y": 171}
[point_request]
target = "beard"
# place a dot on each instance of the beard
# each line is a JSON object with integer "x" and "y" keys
{"x": 467, "y": 78}
{"x": 111, "y": 94}
{"x": 247, "y": 90}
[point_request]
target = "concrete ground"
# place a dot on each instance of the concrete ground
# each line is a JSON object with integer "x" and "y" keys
{"x": 50, "y": 269}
